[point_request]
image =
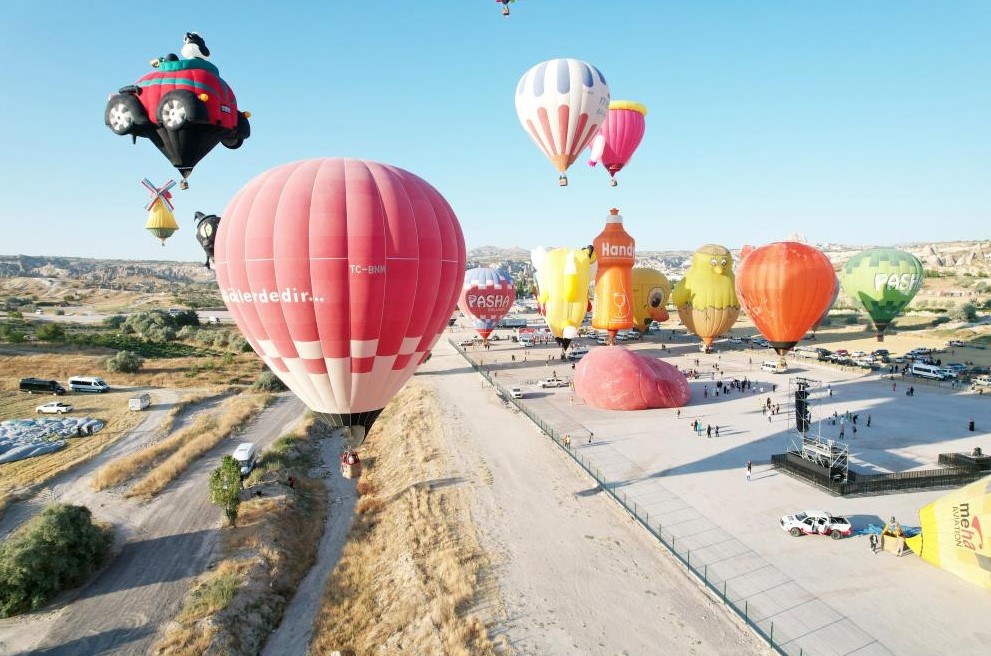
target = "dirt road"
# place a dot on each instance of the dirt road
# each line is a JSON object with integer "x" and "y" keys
{"x": 170, "y": 541}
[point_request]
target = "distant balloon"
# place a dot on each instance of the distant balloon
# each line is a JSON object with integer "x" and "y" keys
{"x": 884, "y": 281}
{"x": 486, "y": 297}
{"x": 562, "y": 278}
{"x": 651, "y": 293}
{"x": 706, "y": 296}
{"x": 341, "y": 274}
{"x": 206, "y": 233}
{"x": 619, "y": 136}
{"x": 615, "y": 255}
{"x": 614, "y": 378}
{"x": 786, "y": 287}
{"x": 505, "y": 6}
{"x": 161, "y": 221}
{"x": 561, "y": 103}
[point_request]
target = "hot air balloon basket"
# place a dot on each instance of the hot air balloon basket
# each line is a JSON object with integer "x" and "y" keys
{"x": 350, "y": 465}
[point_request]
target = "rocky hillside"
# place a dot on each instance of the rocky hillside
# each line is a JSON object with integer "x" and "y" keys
{"x": 102, "y": 273}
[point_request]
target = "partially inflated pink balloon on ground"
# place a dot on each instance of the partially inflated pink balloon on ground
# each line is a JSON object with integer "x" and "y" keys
{"x": 613, "y": 378}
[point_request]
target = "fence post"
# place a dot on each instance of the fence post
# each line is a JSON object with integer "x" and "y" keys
{"x": 772, "y": 635}
{"x": 724, "y": 591}
{"x": 688, "y": 562}
{"x": 746, "y": 611}
{"x": 705, "y": 573}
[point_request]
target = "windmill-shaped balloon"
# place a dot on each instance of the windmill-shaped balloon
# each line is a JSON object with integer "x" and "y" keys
{"x": 161, "y": 221}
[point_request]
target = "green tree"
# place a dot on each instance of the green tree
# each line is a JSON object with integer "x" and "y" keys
{"x": 964, "y": 312}
{"x": 50, "y": 332}
{"x": 55, "y": 551}
{"x": 115, "y": 321}
{"x": 269, "y": 382}
{"x": 125, "y": 362}
{"x": 225, "y": 487}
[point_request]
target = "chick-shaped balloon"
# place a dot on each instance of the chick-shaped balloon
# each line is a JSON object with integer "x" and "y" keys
{"x": 706, "y": 297}
{"x": 562, "y": 276}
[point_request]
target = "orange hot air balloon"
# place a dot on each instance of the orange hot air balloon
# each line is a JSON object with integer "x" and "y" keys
{"x": 786, "y": 286}
{"x": 615, "y": 253}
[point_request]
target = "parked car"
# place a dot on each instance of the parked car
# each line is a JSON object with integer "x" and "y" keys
{"x": 88, "y": 384}
{"x": 54, "y": 408}
{"x": 956, "y": 342}
{"x": 843, "y": 353}
{"x": 981, "y": 382}
{"x": 32, "y": 385}
{"x": 516, "y": 392}
{"x": 139, "y": 402}
{"x": 246, "y": 456}
{"x": 553, "y": 382}
{"x": 817, "y": 522}
{"x": 577, "y": 353}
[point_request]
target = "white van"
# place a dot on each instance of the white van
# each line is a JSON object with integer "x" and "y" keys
{"x": 245, "y": 455}
{"x": 88, "y": 384}
{"x": 981, "y": 381}
{"x": 927, "y": 371}
{"x": 516, "y": 392}
{"x": 774, "y": 366}
{"x": 139, "y": 402}
{"x": 526, "y": 341}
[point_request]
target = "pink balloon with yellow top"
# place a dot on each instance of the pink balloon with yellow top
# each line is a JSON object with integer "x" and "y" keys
{"x": 619, "y": 136}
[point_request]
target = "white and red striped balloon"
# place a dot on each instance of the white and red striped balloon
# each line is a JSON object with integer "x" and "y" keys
{"x": 341, "y": 274}
{"x": 561, "y": 104}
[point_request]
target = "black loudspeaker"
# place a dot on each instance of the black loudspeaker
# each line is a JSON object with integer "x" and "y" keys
{"x": 802, "y": 415}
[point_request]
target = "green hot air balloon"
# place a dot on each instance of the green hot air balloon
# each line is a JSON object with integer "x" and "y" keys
{"x": 884, "y": 280}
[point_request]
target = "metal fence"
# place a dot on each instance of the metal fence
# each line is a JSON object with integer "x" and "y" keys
{"x": 715, "y": 584}
{"x": 951, "y": 476}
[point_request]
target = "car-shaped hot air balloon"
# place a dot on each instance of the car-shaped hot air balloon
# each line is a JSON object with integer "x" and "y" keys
{"x": 183, "y": 107}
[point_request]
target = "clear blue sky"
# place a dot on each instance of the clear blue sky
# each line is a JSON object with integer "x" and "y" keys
{"x": 861, "y": 122}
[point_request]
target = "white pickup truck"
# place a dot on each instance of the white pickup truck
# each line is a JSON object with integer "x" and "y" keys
{"x": 553, "y": 382}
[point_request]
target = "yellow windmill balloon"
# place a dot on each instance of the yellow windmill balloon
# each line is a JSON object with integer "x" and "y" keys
{"x": 161, "y": 220}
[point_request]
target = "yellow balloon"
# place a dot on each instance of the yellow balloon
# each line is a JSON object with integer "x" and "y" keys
{"x": 706, "y": 296}
{"x": 651, "y": 293}
{"x": 562, "y": 282}
{"x": 161, "y": 221}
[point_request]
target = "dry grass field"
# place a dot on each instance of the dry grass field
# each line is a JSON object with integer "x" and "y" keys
{"x": 160, "y": 463}
{"x": 19, "y": 478}
{"x": 410, "y": 573}
{"x": 58, "y": 362}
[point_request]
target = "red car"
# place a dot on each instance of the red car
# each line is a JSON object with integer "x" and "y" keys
{"x": 183, "y": 107}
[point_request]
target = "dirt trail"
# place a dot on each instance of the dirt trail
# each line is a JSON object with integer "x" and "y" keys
{"x": 294, "y": 633}
{"x": 171, "y": 541}
{"x": 75, "y": 483}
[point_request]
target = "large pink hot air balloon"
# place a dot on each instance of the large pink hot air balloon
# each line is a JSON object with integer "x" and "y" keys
{"x": 619, "y": 136}
{"x": 615, "y": 378}
{"x": 341, "y": 274}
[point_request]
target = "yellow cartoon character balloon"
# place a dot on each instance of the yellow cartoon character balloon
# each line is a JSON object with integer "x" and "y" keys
{"x": 562, "y": 289}
{"x": 706, "y": 296}
{"x": 651, "y": 293}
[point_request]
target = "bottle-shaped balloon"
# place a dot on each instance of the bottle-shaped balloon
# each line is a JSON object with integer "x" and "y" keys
{"x": 615, "y": 253}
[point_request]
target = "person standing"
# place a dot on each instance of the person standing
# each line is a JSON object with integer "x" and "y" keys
{"x": 842, "y": 430}
{"x": 749, "y": 469}
{"x": 717, "y": 430}
{"x": 868, "y": 421}
{"x": 708, "y": 430}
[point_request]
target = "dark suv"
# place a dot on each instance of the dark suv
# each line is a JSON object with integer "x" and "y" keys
{"x": 32, "y": 385}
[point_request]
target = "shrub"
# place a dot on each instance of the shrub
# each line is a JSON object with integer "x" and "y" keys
{"x": 124, "y": 362}
{"x": 115, "y": 321}
{"x": 239, "y": 344}
{"x": 55, "y": 551}
{"x": 11, "y": 333}
{"x": 50, "y": 332}
{"x": 185, "y": 318}
{"x": 187, "y": 332}
{"x": 225, "y": 487}
{"x": 269, "y": 382}
{"x": 964, "y": 312}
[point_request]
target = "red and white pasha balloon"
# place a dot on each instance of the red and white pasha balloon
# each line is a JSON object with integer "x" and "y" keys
{"x": 341, "y": 274}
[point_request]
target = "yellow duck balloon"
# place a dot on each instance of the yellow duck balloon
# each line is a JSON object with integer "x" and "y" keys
{"x": 706, "y": 296}
{"x": 563, "y": 277}
{"x": 651, "y": 293}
